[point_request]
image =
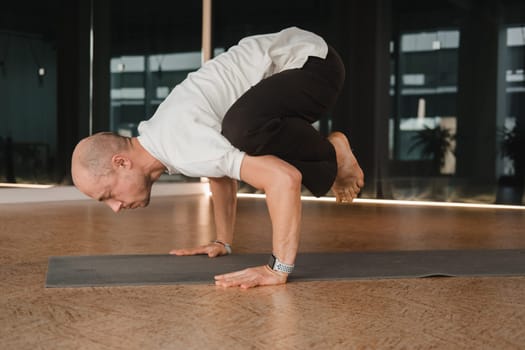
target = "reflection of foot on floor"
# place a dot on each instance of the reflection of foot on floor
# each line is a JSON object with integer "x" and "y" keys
{"x": 350, "y": 177}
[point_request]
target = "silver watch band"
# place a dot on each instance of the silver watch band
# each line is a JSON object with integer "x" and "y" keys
{"x": 277, "y": 265}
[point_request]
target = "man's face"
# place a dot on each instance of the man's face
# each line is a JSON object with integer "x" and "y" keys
{"x": 123, "y": 189}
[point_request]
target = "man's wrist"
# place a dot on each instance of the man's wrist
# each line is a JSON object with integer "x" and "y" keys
{"x": 277, "y": 273}
{"x": 226, "y": 246}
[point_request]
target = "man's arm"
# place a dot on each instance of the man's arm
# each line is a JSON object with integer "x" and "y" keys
{"x": 282, "y": 184}
{"x": 224, "y": 196}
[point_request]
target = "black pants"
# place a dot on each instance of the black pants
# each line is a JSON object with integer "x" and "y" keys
{"x": 275, "y": 116}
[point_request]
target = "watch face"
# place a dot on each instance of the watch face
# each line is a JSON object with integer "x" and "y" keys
{"x": 271, "y": 263}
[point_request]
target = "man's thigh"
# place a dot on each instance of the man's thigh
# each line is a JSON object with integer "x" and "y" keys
{"x": 308, "y": 93}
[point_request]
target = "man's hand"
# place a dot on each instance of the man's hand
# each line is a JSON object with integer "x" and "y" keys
{"x": 251, "y": 277}
{"x": 212, "y": 250}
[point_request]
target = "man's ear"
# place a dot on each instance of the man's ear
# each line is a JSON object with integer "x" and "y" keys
{"x": 120, "y": 161}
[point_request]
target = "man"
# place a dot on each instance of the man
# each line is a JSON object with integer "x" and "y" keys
{"x": 245, "y": 115}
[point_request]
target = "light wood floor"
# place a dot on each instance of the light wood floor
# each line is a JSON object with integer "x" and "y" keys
{"x": 445, "y": 313}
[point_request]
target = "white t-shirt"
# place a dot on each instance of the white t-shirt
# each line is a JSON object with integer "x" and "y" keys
{"x": 185, "y": 131}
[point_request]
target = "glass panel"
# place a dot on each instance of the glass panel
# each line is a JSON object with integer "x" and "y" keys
{"x": 458, "y": 90}
{"x": 422, "y": 131}
{"x": 28, "y": 122}
{"x": 512, "y": 133}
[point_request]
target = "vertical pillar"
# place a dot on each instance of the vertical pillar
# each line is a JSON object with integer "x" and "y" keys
{"x": 362, "y": 32}
{"x": 476, "y": 150}
{"x": 101, "y": 102}
{"x": 72, "y": 81}
{"x": 207, "y": 43}
{"x": 9, "y": 161}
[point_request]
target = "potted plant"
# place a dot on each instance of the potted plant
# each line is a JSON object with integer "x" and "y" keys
{"x": 434, "y": 144}
{"x": 511, "y": 186}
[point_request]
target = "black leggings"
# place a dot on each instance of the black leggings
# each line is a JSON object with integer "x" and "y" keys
{"x": 274, "y": 117}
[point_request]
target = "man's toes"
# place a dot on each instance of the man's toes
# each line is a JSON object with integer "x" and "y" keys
{"x": 348, "y": 195}
{"x": 341, "y": 195}
{"x": 361, "y": 183}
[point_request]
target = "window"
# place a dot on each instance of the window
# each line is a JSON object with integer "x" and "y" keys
{"x": 425, "y": 98}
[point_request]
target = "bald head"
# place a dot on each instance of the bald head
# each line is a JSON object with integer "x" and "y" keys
{"x": 92, "y": 156}
{"x": 115, "y": 170}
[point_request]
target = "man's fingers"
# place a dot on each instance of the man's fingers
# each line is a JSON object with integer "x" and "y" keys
{"x": 186, "y": 251}
{"x": 233, "y": 279}
{"x": 212, "y": 250}
{"x": 191, "y": 251}
{"x": 230, "y": 275}
{"x": 241, "y": 281}
{"x": 213, "y": 253}
{"x": 251, "y": 277}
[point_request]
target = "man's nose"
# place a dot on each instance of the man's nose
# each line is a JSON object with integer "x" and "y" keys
{"x": 114, "y": 205}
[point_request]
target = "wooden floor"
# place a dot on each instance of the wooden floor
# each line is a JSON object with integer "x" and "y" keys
{"x": 444, "y": 313}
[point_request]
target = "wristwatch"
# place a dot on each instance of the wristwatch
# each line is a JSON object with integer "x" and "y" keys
{"x": 226, "y": 245}
{"x": 277, "y": 265}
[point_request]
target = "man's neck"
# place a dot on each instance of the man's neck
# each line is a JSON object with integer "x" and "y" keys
{"x": 151, "y": 165}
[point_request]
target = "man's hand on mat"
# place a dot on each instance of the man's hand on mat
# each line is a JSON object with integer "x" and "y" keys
{"x": 251, "y": 277}
{"x": 212, "y": 250}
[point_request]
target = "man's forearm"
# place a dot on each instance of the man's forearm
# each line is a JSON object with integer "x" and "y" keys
{"x": 285, "y": 211}
{"x": 282, "y": 185}
{"x": 224, "y": 196}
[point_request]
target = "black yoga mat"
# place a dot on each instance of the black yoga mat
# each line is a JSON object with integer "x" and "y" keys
{"x": 128, "y": 270}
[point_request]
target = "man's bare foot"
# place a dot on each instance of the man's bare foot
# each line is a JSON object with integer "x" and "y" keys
{"x": 350, "y": 177}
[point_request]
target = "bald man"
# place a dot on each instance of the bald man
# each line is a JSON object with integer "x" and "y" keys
{"x": 245, "y": 115}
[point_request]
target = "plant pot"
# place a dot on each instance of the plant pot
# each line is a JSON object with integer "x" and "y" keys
{"x": 510, "y": 190}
